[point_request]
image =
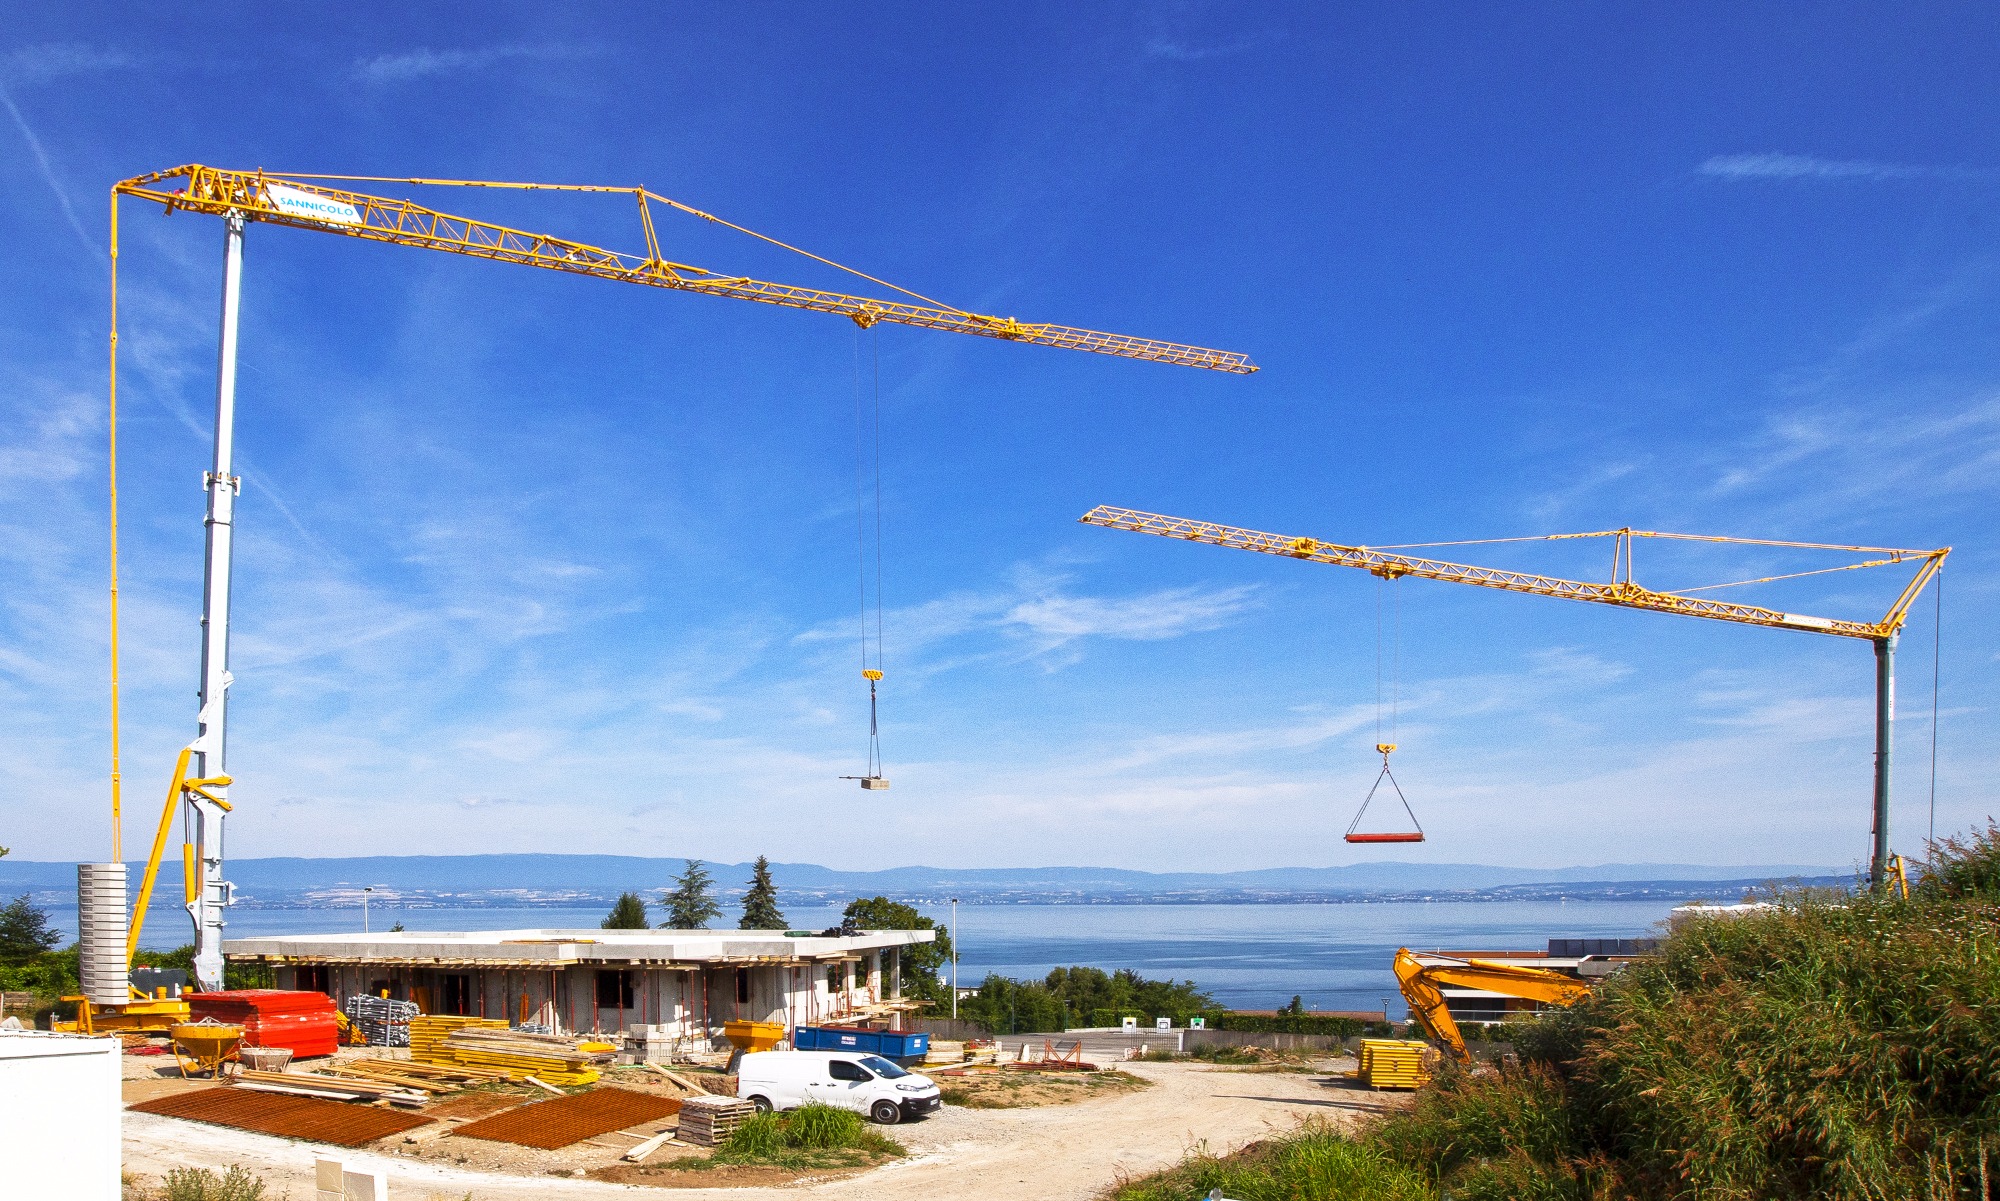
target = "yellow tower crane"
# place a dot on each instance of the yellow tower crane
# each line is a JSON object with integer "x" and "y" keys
{"x": 324, "y": 204}
{"x": 1620, "y": 590}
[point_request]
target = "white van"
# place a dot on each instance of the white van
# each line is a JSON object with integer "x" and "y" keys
{"x": 867, "y": 1084}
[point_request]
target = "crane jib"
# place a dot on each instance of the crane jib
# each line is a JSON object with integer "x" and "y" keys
{"x": 304, "y": 205}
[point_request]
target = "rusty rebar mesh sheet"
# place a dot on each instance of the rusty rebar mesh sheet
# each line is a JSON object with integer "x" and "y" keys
{"x": 552, "y": 1124}
{"x": 310, "y": 1118}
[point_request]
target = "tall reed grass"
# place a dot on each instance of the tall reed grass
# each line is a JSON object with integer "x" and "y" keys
{"x": 1843, "y": 1047}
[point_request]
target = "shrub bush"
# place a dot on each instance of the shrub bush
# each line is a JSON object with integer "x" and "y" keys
{"x": 1285, "y": 1023}
{"x": 1838, "y": 1047}
{"x": 200, "y": 1184}
{"x": 821, "y": 1126}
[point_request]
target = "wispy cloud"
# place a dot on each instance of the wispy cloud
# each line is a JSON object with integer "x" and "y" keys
{"x": 1183, "y": 52}
{"x": 423, "y": 62}
{"x": 1036, "y": 617}
{"x": 1801, "y": 166}
{"x": 38, "y": 64}
{"x": 57, "y": 60}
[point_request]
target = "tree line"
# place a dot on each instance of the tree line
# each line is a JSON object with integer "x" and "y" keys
{"x": 691, "y": 905}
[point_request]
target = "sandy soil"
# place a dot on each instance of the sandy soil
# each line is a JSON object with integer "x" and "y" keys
{"x": 1044, "y": 1154}
{"x": 1021, "y": 1090}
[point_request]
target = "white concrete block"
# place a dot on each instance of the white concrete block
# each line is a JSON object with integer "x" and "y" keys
{"x": 365, "y": 1186}
{"x": 326, "y": 1175}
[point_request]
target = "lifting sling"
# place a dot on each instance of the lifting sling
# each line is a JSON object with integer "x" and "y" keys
{"x": 1416, "y": 831}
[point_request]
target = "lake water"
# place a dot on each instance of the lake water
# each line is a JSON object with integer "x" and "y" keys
{"x": 1247, "y": 956}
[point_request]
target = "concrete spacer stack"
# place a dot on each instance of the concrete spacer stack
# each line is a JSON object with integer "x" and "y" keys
{"x": 102, "y": 925}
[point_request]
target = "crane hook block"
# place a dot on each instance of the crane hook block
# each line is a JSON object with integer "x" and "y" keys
{"x": 871, "y": 674}
{"x": 1385, "y": 747}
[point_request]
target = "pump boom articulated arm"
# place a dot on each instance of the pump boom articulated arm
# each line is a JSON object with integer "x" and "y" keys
{"x": 1422, "y": 987}
{"x": 302, "y": 204}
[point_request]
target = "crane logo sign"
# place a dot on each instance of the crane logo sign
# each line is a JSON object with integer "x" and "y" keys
{"x": 294, "y": 203}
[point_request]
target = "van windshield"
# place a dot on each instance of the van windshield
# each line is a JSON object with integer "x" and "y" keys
{"x": 882, "y": 1067}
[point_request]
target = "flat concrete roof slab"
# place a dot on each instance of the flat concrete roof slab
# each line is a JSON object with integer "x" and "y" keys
{"x": 555, "y": 948}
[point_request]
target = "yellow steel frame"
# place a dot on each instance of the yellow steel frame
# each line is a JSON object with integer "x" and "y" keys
{"x": 405, "y": 223}
{"x": 1621, "y": 589}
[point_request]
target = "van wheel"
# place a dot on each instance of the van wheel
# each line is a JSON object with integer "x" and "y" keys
{"x": 886, "y": 1112}
{"x": 763, "y": 1104}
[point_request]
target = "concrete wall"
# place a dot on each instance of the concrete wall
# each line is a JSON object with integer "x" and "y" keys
{"x": 59, "y": 1116}
{"x": 692, "y": 1003}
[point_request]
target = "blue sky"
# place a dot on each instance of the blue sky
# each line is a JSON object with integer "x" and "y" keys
{"x": 531, "y": 562}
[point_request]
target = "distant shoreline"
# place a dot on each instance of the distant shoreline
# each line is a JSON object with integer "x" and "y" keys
{"x": 1583, "y": 891}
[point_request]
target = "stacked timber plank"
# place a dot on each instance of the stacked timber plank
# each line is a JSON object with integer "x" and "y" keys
{"x": 428, "y": 1030}
{"x": 1393, "y": 1063}
{"x": 413, "y": 1076}
{"x": 332, "y": 1088}
{"x": 709, "y": 1121}
{"x": 492, "y": 1047}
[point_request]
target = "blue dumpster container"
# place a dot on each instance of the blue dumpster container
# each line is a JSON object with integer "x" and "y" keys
{"x": 903, "y": 1046}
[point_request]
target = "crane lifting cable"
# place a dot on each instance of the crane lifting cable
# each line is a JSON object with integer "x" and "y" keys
{"x": 870, "y": 671}
{"x": 1415, "y": 833}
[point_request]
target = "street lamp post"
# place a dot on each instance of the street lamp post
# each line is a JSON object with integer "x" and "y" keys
{"x": 954, "y": 959}
{"x": 364, "y": 907}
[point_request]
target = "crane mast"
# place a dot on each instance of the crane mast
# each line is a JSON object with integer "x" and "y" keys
{"x": 1621, "y": 590}
{"x": 308, "y": 202}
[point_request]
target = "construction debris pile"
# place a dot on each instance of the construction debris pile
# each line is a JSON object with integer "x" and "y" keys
{"x": 488, "y": 1043}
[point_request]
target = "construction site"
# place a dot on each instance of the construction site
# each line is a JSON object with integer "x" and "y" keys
{"x": 307, "y": 1059}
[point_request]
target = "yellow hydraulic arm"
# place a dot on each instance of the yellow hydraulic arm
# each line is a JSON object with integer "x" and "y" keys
{"x": 1622, "y": 590}
{"x": 1422, "y": 987}
{"x": 302, "y": 202}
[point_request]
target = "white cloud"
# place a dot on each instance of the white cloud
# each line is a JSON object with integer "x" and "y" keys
{"x": 57, "y": 60}
{"x": 1183, "y": 52}
{"x": 423, "y": 63}
{"x": 1800, "y": 166}
{"x": 1036, "y": 618}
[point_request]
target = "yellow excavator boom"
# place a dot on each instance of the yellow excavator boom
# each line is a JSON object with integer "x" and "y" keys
{"x": 1423, "y": 988}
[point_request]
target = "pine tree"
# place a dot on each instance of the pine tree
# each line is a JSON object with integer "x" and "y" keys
{"x": 628, "y": 914}
{"x": 25, "y": 932}
{"x": 760, "y": 904}
{"x": 689, "y": 905}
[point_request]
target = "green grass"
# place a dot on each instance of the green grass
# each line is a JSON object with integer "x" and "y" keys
{"x": 1315, "y": 1162}
{"x": 809, "y": 1137}
{"x": 1841, "y": 1047}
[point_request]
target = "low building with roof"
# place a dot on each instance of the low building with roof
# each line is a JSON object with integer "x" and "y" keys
{"x": 679, "y": 984}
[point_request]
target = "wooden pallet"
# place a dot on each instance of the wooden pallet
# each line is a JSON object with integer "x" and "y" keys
{"x": 709, "y": 1121}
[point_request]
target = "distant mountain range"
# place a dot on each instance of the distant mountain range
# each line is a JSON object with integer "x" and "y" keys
{"x": 554, "y": 879}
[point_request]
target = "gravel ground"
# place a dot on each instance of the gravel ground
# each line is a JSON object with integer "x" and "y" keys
{"x": 1058, "y": 1153}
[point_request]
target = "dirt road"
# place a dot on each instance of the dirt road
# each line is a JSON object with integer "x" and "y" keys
{"x": 1058, "y": 1153}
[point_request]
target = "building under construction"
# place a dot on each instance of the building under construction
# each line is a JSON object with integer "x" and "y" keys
{"x": 681, "y": 985}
